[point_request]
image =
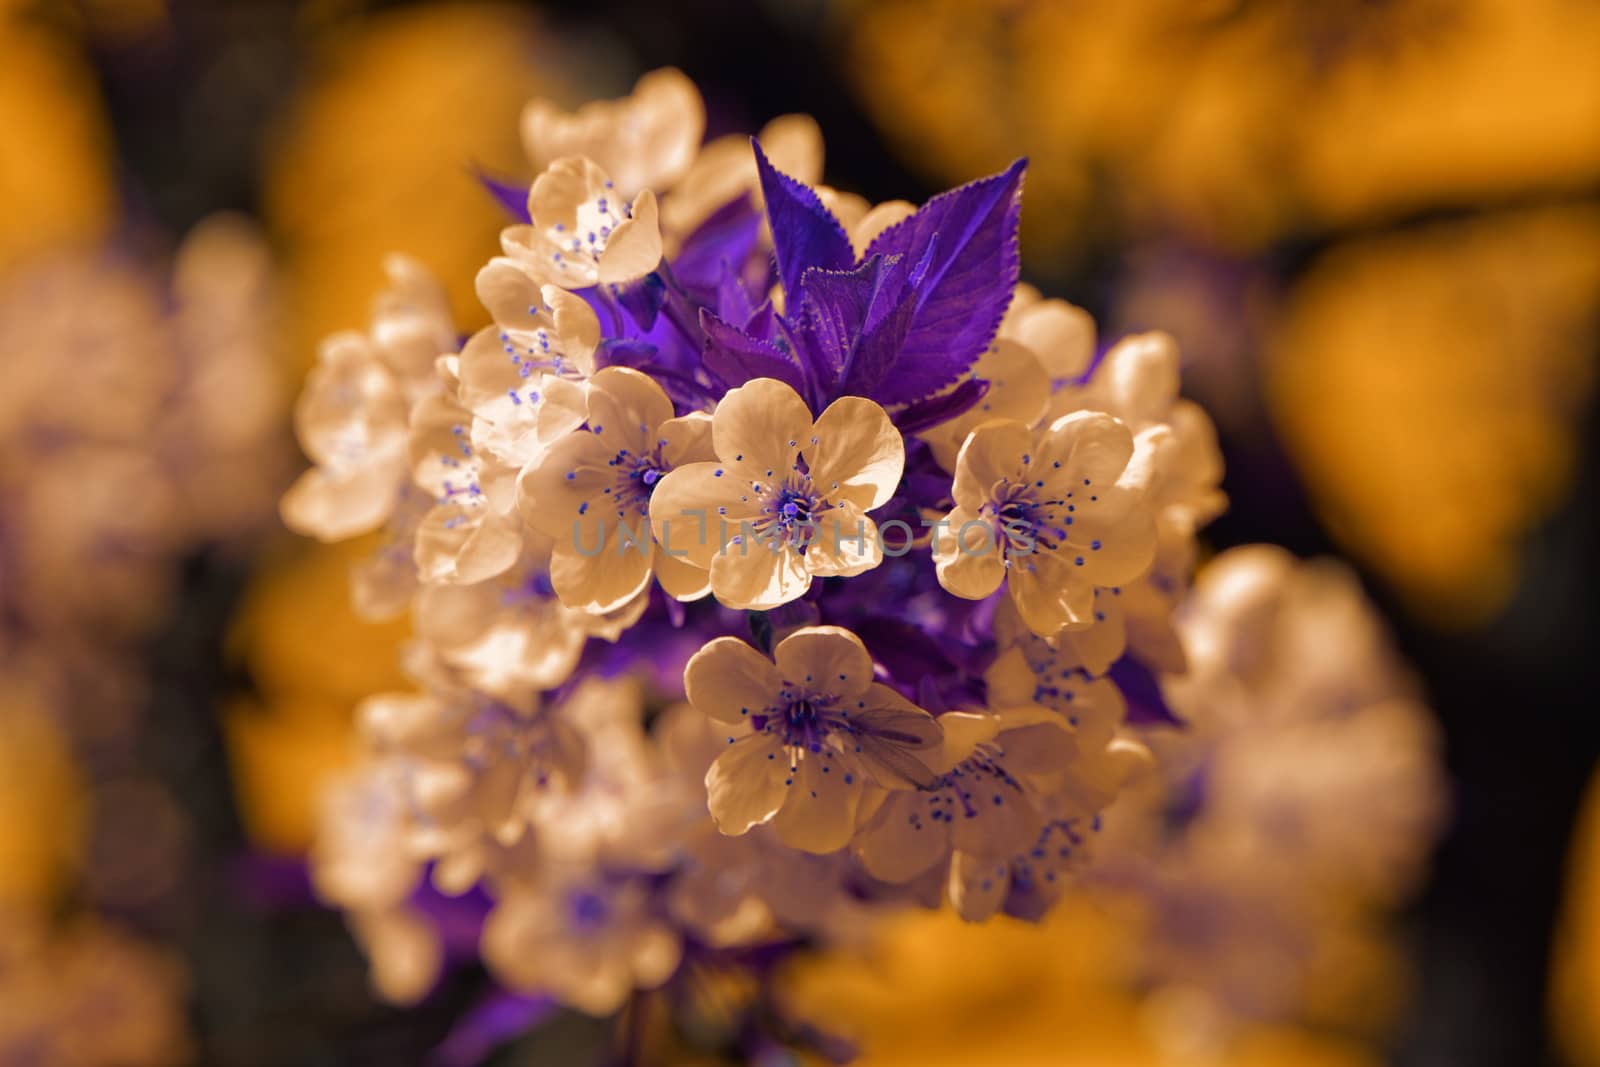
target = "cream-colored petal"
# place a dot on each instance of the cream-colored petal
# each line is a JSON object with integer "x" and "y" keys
{"x": 509, "y": 293}
{"x": 886, "y": 215}
{"x": 695, "y": 510}
{"x": 334, "y": 506}
{"x": 1060, "y": 335}
{"x": 562, "y": 492}
{"x": 634, "y": 248}
{"x": 1010, "y": 679}
{"x": 1019, "y": 390}
{"x": 688, "y": 439}
{"x": 820, "y": 805}
{"x": 845, "y": 543}
{"x": 729, "y": 681}
{"x": 754, "y": 577}
{"x": 680, "y": 579}
{"x": 759, "y": 428}
{"x": 1046, "y": 594}
{"x": 964, "y": 731}
{"x": 902, "y": 840}
{"x": 992, "y": 453}
{"x": 1092, "y": 447}
{"x": 978, "y": 886}
{"x": 830, "y": 659}
{"x": 967, "y": 556}
{"x": 576, "y": 325}
{"x": 745, "y": 786}
{"x": 606, "y": 580}
{"x": 626, "y": 408}
{"x": 855, "y": 453}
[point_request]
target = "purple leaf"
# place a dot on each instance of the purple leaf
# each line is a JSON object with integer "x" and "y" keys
{"x": 924, "y": 414}
{"x": 736, "y": 357}
{"x": 643, "y": 299}
{"x": 963, "y": 248}
{"x": 514, "y": 198}
{"x": 492, "y": 1022}
{"x": 727, "y": 237}
{"x": 804, "y": 232}
{"x": 1146, "y": 704}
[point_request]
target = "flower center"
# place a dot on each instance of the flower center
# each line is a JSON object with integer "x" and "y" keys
{"x": 1025, "y": 522}
{"x": 588, "y": 909}
{"x": 636, "y": 478}
{"x": 788, "y": 512}
{"x": 802, "y": 717}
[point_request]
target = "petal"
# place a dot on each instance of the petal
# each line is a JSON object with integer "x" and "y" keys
{"x": 680, "y": 579}
{"x": 729, "y": 681}
{"x": 963, "y": 733}
{"x": 897, "y": 741}
{"x": 695, "y": 510}
{"x": 577, "y": 327}
{"x": 902, "y": 840}
{"x": 992, "y": 453}
{"x": 634, "y": 248}
{"x": 554, "y": 198}
{"x": 605, "y": 580}
{"x": 509, "y": 293}
{"x": 844, "y": 543}
{"x": 978, "y": 886}
{"x": 449, "y": 550}
{"x": 1141, "y": 373}
{"x": 829, "y": 657}
{"x": 745, "y": 786}
{"x": 874, "y": 222}
{"x": 1011, "y": 680}
{"x": 754, "y": 577}
{"x": 856, "y": 454}
{"x": 333, "y": 506}
{"x": 1092, "y": 449}
{"x": 820, "y": 805}
{"x": 561, "y": 493}
{"x": 1060, "y": 335}
{"x": 1035, "y": 741}
{"x": 1018, "y": 390}
{"x": 969, "y": 561}
{"x": 1119, "y": 554}
{"x": 1047, "y": 595}
{"x": 688, "y": 439}
{"x": 626, "y": 407}
{"x": 758, "y": 428}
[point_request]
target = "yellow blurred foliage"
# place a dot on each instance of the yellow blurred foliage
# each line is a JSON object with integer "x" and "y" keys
{"x": 1231, "y": 120}
{"x": 1575, "y": 986}
{"x": 934, "y": 991}
{"x": 55, "y": 156}
{"x": 377, "y": 156}
{"x": 41, "y": 802}
{"x": 312, "y": 660}
{"x": 1429, "y": 385}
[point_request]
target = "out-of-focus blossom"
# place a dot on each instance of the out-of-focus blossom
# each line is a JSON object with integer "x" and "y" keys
{"x": 1429, "y": 385}
{"x": 105, "y": 487}
{"x": 87, "y": 995}
{"x": 1295, "y": 805}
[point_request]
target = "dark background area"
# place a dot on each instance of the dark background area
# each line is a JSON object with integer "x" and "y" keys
{"x": 278, "y": 982}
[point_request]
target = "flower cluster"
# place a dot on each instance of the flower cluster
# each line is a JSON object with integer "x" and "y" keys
{"x": 1295, "y": 807}
{"x": 774, "y": 559}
